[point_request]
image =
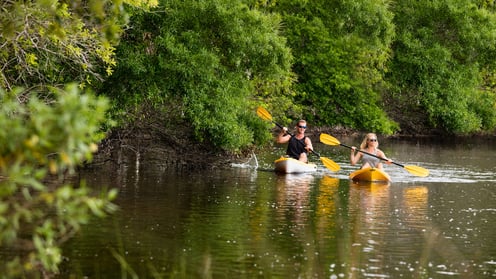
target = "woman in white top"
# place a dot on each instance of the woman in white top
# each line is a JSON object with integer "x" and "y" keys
{"x": 369, "y": 145}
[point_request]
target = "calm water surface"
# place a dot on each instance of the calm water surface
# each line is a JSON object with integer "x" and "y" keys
{"x": 253, "y": 223}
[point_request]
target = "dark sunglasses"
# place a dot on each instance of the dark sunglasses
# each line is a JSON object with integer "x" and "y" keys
{"x": 372, "y": 139}
{"x": 303, "y": 127}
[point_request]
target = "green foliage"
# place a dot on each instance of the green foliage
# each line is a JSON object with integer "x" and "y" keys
{"x": 217, "y": 58}
{"x": 444, "y": 54}
{"x": 45, "y": 43}
{"x": 49, "y": 135}
{"x": 341, "y": 49}
{"x": 48, "y": 131}
{"x": 483, "y": 104}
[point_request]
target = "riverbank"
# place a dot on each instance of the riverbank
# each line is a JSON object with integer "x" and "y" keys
{"x": 177, "y": 148}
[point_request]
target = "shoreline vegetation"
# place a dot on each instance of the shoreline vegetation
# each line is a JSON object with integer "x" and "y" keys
{"x": 177, "y": 149}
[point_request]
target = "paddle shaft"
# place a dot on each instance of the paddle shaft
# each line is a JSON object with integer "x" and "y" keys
{"x": 373, "y": 155}
{"x": 416, "y": 170}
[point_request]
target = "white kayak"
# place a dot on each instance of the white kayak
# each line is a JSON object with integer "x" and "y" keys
{"x": 290, "y": 165}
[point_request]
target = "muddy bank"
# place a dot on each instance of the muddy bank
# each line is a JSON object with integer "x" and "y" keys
{"x": 171, "y": 149}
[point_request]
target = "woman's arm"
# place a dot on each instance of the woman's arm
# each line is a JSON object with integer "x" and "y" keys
{"x": 383, "y": 156}
{"x": 354, "y": 156}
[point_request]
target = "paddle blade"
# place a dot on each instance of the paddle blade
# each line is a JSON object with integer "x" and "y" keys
{"x": 330, "y": 164}
{"x": 328, "y": 139}
{"x": 418, "y": 171}
{"x": 264, "y": 114}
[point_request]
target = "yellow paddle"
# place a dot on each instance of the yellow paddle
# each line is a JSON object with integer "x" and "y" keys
{"x": 330, "y": 164}
{"x": 415, "y": 170}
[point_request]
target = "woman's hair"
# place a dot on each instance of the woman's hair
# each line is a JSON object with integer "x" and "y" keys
{"x": 364, "y": 143}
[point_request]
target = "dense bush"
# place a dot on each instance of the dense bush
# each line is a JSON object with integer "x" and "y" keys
{"x": 443, "y": 54}
{"x": 45, "y": 141}
{"x": 212, "y": 58}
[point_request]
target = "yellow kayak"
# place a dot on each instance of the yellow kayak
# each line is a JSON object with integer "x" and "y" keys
{"x": 370, "y": 174}
{"x": 290, "y": 165}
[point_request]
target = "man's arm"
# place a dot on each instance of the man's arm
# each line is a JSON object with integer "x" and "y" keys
{"x": 283, "y": 137}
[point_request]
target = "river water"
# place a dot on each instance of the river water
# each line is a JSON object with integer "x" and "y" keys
{"x": 249, "y": 222}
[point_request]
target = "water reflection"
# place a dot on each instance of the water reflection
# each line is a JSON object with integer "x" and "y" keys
{"x": 258, "y": 224}
{"x": 327, "y": 202}
{"x": 369, "y": 204}
{"x": 414, "y": 206}
{"x": 292, "y": 199}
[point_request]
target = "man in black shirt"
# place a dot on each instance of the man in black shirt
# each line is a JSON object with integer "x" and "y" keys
{"x": 298, "y": 144}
